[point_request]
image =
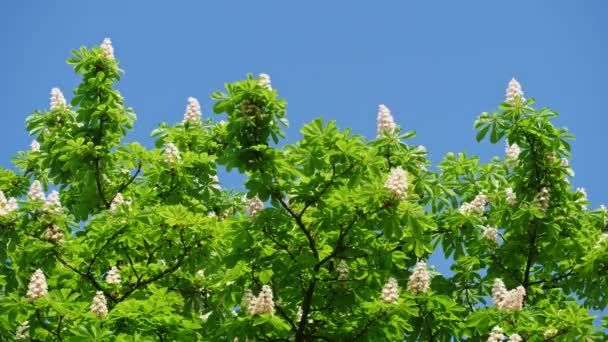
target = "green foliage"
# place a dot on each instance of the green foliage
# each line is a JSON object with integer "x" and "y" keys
{"x": 187, "y": 251}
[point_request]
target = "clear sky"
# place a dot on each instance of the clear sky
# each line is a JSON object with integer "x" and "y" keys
{"x": 435, "y": 64}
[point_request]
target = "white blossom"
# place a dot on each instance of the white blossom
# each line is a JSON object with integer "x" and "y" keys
{"x": 113, "y": 276}
{"x": 496, "y": 335}
{"x": 253, "y": 205}
{"x": 171, "y": 153}
{"x": 200, "y": 274}
{"x": 22, "y": 331}
{"x": 396, "y": 183}
{"x": 542, "y": 198}
{"x": 116, "y": 202}
{"x": 7, "y": 205}
{"x": 511, "y": 196}
{"x": 342, "y": 270}
{"x": 477, "y": 205}
{"x": 565, "y": 162}
{"x": 264, "y": 81}
{"x": 249, "y": 302}
{"x": 515, "y": 338}
{"x": 419, "y": 279}
{"x": 193, "y": 111}
{"x": 205, "y": 317}
{"x": 36, "y": 193}
{"x": 549, "y": 333}
{"x": 512, "y": 152}
{"x": 215, "y": 183}
{"x": 513, "y": 91}
{"x": 499, "y": 291}
{"x": 162, "y": 262}
{"x": 57, "y": 99}
{"x": 37, "y": 287}
{"x": 507, "y": 300}
{"x": 107, "y": 48}
{"x": 385, "y": 122}
{"x": 491, "y": 234}
{"x": 583, "y": 200}
{"x": 299, "y": 314}
{"x": 390, "y": 291}
{"x": 264, "y": 303}
{"x": 35, "y": 146}
{"x": 53, "y": 203}
{"x": 99, "y": 307}
{"x": 54, "y": 233}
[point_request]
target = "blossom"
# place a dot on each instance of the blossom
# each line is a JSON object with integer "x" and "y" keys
{"x": 53, "y": 203}
{"x": 200, "y": 274}
{"x": 172, "y": 153}
{"x": 205, "y": 317}
{"x": 215, "y": 183}
{"x": 491, "y": 234}
{"x": 264, "y": 303}
{"x": 512, "y": 151}
{"x": 264, "y": 81}
{"x": 499, "y": 291}
{"x": 342, "y": 270}
{"x": 514, "y": 91}
{"x": 116, "y": 202}
{"x": 54, "y": 233}
{"x": 253, "y": 205}
{"x": 99, "y": 307}
{"x": 299, "y": 314}
{"x": 549, "y": 333}
{"x": 36, "y": 193}
{"x": 396, "y": 183}
{"x": 565, "y": 162}
{"x": 385, "y": 122}
{"x": 57, "y": 99}
{"x": 390, "y": 291}
{"x": 249, "y": 302}
{"x": 37, "y": 287}
{"x": 583, "y": 199}
{"x": 477, "y": 205}
{"x": 511, "y": 196}
{"x": 511, "y": 300}
{"x": 515, "y": 338}
{"x": 107, "y": 49}
{"x": 193, "y": 111}
{"x": 22, "y": 331}
{"x": 7, "y": 205}
{"x": 419, "y": 279}
{"x": 542, "y": 198}
{"x": 113, "y": 276}
{"x": 496, "y": 335}
{"x": 35, "y": 146}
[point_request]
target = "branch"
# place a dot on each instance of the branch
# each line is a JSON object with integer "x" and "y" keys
{"x": 124, "y": 186}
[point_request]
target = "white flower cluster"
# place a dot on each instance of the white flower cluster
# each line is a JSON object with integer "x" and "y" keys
{"x": 113, "y": 276}
{"x": 53, "y": 203}
{"x": 396, "y": 183}
{"x": 512, "y": 152}
{"x": 37, "y": 287}
{"x": 513, "y": 91}
{"x": 582, "y": 201}
{"x": 116, "y": 202}
{"x": 491, "y": 234}
{"x": 542, "y": 198}
{"x": 512, "y": 300}
{"x": 565, "y": 162}
{"x": 200, "y": 274}
{"x": 264, "y": 81}
{"x": 7, "y": 205}
{"x": 215, "y": 182}
{"x": 99, "y": 306}
{"x": 57, "y": 99}
{"x": 35, "y": 146}
{"x": 261, "y": 304}
{"x": 477, "y": 205}
{"x": 205, "y": 317}
{"x": 22, "y": 331}
{"x": 253, "y": 205}
{"x": 549, "y": 333}
{"x": 108, "y": 49}
{"x": 193, "y": 111}
{"x": 419, "y": 279}
{"x": 54, "y": 233}
{"x": 171, "y": 153}
{"x": 390, "y": 291}
{"x": 385, "y": 122}
{"x": 515, "y": 338}
{"x": 496, "y": 335}
{"x": 511, "y": 196}
{"x": 342, "y": 270}
{"x": 36, "y": 193}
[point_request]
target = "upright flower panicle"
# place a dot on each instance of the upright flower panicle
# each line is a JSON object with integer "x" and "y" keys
{"x": 496, "y": 335}
{"x": 113, "y": 276}
{"x": 54, "y": 233}
{"x": 99, "y": 306}
{"x": 53, "y": 203}
{"x": 264, "y": 81}
{"x": 249, "y": 302}
{"x": 396, "y": 183}
{"x": 7, "y": 205}
{"x": 385, "y": 122}
{"x": 515, "y": 338}
{"x": 549, "y": 333}
{"x": 499, "y": 291}
{"x": 419, "y": 279}
{"x": 36, "y": 193}
{"x": 265, "y": 302}
{"x": 35, "y": 146}
{"x": 171, "y": 153}
{"x": 57, "y": 99}
{"x": 511, "y": 196}
{"x": 390, "y": 291}
{"x": 37, "y": 287}
{"x": 514, "y": 91}
{"x": 116, "y": 202}
{"x": 512, "y": 152}
{"x": 583, "y": 200}
{"x": 477, "y": 205}
{"x": 511, "y": 300}
{"x": 253, "y": 205}
{"x": 542, "y": 198}
{"x": 491, "y": 234}
{"x": 193, "y": 111}
{"x": 215, "y": 183}
{"x": 22, "y": 331}
{"x": 107, "y": 48}
{"x": 342, "y": 270}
